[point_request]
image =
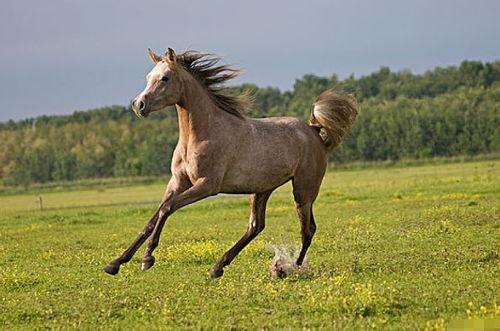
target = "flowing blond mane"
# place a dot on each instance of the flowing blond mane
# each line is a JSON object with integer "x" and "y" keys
{"x": 204, "y": 67}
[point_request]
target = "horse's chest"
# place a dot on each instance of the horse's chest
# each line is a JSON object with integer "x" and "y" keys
{"x": 197, "y": 162}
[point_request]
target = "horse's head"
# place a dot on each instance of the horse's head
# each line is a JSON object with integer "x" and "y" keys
{"x": 163, "y": 85}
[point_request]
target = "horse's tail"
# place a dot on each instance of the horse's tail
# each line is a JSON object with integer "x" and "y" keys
{"x": 333, "y": 113}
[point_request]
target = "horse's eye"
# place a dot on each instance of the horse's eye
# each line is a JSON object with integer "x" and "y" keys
{"x": 165, "y": 79}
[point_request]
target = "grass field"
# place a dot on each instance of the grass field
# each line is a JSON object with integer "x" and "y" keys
{"x": 396, "y": 248}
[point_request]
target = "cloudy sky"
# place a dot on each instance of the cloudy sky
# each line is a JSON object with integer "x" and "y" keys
{"x": 57, "y": 56}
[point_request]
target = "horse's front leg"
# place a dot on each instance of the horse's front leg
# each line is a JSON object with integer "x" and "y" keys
{"x": 113, "y": 267}
{"x": 174, "y": 186}
{"x": 201, "y": 189}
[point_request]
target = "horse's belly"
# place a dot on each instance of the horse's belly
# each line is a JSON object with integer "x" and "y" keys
{"x": 242, "y": 180}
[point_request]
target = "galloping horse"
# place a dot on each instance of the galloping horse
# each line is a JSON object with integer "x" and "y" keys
{"x": 222, "y": 151}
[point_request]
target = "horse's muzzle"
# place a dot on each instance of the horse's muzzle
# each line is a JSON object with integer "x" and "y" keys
{"x": 139, "y": 107}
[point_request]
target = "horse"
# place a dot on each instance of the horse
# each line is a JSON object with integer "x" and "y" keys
{"x": 220, "y": 150}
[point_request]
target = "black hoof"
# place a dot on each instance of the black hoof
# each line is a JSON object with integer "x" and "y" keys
{"x": 111, "y": 269}
{"x": 147, "y": 262}
{"x": 215, "y": 272}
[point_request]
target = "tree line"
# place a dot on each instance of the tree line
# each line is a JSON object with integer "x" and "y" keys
{"x": 443, "y": 112}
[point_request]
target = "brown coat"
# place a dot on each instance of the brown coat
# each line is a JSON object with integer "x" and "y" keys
{"x": 222, "y": 151}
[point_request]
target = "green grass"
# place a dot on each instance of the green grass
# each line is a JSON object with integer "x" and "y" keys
{"x": 398, "y": 248}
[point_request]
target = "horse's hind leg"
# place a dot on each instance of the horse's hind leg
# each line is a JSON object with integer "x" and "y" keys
{"x": 308, "y": 227}
{"x": 304, "y": 193}
{"x": 256, "y": 224}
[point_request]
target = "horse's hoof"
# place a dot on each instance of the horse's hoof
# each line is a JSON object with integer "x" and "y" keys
{"x": 147, "y": 262}
{"x": 216, "y": 272}
{"x": 111, "y": 269}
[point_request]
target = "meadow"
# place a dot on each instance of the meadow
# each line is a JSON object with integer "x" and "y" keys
{"x": 413, "y": 247}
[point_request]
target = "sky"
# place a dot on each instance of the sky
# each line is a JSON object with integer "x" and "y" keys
{"x": 58, "y": 56}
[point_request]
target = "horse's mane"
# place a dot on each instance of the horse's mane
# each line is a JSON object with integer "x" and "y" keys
{"x": 205, "y": 70}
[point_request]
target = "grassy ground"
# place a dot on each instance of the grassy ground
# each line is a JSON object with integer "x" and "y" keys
{"x": 399, "y": 248}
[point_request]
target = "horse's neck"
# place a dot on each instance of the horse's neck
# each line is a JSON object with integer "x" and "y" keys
{"x": 196, "y": 111}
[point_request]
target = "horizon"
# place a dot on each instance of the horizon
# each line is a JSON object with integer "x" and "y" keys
{"x": 240, "y": 83}
{"x": 64, "y": 56}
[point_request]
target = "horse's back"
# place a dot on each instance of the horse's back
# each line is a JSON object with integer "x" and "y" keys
{"x": 291, "y": 133}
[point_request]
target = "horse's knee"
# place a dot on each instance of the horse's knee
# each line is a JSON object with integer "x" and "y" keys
{"x": 165, "y": 210}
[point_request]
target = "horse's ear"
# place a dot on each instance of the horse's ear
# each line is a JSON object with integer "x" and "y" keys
{"x": 155, "y": 58}
{"x": 170, "y": 56}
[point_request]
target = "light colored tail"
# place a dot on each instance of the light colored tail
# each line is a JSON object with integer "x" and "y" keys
{"x": 333, "y": 113}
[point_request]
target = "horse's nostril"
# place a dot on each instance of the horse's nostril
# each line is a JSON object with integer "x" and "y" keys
{"x": 141, "y": 105}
